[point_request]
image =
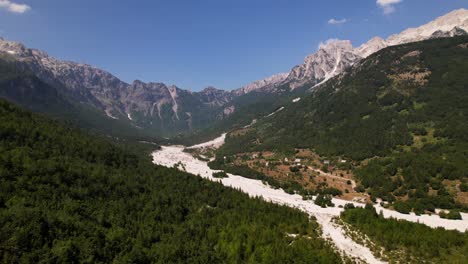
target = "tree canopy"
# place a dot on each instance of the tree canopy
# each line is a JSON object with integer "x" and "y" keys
{"x": 66, "y": 197}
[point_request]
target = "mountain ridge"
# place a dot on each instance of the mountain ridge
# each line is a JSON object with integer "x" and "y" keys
{"x": 168, "y": 109}
{"x": 330, "y": 53}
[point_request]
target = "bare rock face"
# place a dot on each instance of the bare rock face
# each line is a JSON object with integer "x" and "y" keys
{"x": 456, "y": 31}
{"x": 268, "y": 83}
{"x": 229, "y": 110}
{"x": 332, "y": 58}
{"x": 214, "y": 97}
{"x": 145, "y": 98}
{"x": 138, "y": 102}
{"x": 457, "y": 18}
{"x": 371, "y": 47}
{"x": 86, "y": 83}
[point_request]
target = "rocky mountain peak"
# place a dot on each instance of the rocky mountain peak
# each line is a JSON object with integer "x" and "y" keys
{"x": 447, "y": 22}
{"x": 333, "y": 45}
{"x": 213, "y": 96}
{"x": 138, "y": 82}
{"x": 264, "y": 84}
{"x": 372, "y": 46}
{"x": 331, "y": 59}
{"x": 210, "y": 89}
{"x": 14, "y": 48}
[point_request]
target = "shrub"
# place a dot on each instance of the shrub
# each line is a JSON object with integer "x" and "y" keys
{"x": 220, "y": 174}
{"x": 464, "y": 187}
{"x": 324, "y": 200}
{"x": 360, "y": 189}
{"x": 294, "y": 169}
{"x": 452, "y": 214}
{"x": 402, "y": 207}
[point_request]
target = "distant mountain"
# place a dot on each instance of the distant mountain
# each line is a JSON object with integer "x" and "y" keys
{"x": 162, "y": 109}
{"x": 152, "y": 106}
{"x": 24, "y": 88}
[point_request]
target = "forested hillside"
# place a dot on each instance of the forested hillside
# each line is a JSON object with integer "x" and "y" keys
{"x": 66, "y": 197}
{"x": 407, "y": 242}
{"x": 402, "y": 114}
{"x": 248, "y": 108}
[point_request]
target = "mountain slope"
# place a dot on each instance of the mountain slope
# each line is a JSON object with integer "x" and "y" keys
{"x": 405, "y": 104}
{"x": 384, "y": 84}
{"x": 71, "y": 198}
{"x": 22, "y": 87}
{"x": 25, "y": 88}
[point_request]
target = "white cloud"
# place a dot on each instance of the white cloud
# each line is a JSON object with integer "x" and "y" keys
{"x": 14, "y": 7}
{"x": 388, "y": 6}
{"x": 388, "y": 2}
{"x": 337, "y": 21}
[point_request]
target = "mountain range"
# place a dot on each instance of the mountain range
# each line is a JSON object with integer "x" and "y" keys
{"x": 161, "y": 109}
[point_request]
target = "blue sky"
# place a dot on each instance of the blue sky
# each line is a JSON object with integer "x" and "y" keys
{"x": 198, "y": 43}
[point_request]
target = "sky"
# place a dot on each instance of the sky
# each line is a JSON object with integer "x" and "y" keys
{"x": 198, "y": 43}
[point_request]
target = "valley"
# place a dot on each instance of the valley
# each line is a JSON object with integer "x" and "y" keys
{"x": 355, "y": 152}
{"x": 70, "y": 197}
{"x": 174, "y": 156}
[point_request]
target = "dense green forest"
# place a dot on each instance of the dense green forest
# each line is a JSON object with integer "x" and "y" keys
{"x": 408, "y": 242}
{"x": 66, "y": 197}
{"x": 402, "y": 113}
